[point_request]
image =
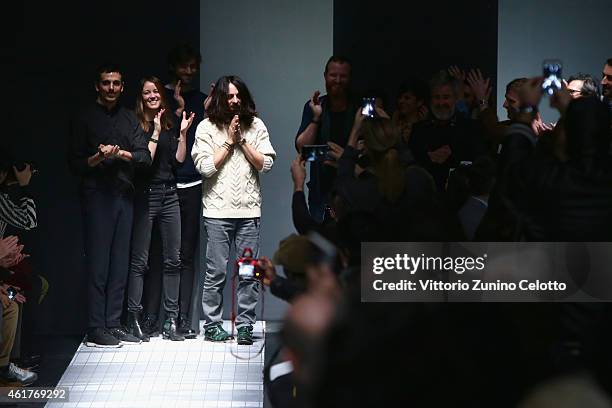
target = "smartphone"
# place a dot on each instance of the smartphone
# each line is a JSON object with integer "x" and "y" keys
{"x": 312, "y": 153}
{"x": 367, "y": 107}
{"x": 11, "y": 292}
{"x": 552, "y": 78}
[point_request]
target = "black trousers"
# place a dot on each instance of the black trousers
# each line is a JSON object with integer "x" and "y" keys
{"x": 190, "y": 199}
{"x": 107, "y": 227}
{"x": 158, "y": 204}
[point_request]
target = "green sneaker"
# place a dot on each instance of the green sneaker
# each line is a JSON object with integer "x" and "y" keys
{"x": 245, "y": 335}
{"x": 216, "y": 333}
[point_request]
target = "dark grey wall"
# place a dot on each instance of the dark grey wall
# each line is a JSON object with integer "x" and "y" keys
{"x": 59, "y": 44}
{"x": 389, "y": 41}
{"x": 279, "y": 47}
{"x": 575, "y": 31}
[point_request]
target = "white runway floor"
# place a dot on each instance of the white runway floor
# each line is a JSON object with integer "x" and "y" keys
{"x": 192, "y": 373}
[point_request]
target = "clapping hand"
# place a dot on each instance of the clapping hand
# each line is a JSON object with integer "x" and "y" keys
{"x": 440, "y": 155}
{"x": 157, "y": 127}
{"x": 186, "y": 121}
{"x": 315, "y": 105}
{"x": 8, "y": 245}
{"x": 178, "y": 97}
{"x": 234, "y": 129}
{"x": 108, "y": 151}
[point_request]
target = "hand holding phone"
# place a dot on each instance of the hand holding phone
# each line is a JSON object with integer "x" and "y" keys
{"x": 312, "y": 153}
{"x": 367, "y": 107}
{"x": 551, "y": 76}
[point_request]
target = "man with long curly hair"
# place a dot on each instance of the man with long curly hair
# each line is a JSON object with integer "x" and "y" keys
{"x": 231, "y": 148}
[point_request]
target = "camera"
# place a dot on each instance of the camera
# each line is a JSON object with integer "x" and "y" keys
{"x": 367, "y": 107}
{"x": 249, "y": 267}
{"x": 551, "y": 72}
{"x": 312, "y": 153}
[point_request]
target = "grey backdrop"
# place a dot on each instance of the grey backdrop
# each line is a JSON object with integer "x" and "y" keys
{"x": 575, "y": 31}
{"x": 279, "y": 48}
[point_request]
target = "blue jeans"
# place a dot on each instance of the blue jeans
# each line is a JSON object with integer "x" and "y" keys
{"x": 222, "y": 233}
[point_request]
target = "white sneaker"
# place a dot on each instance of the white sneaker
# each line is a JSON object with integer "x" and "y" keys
{"x": 19, "y": 375}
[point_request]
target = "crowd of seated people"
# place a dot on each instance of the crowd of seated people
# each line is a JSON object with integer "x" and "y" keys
{"x": 451, "y": 171}
{"x": 17, "y": 211}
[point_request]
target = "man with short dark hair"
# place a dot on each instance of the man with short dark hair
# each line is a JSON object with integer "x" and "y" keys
{"x": 325, "y": 119}
{"x": 106, "y": 144}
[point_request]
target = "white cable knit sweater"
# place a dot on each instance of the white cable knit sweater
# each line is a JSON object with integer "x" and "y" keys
{"x": 233, "y": 190}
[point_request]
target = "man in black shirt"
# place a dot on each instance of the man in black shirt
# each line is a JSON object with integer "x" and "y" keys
{"x": 325, "y": 119}
{"x": 447, "y": 139}
{"x": 106, "y": 143}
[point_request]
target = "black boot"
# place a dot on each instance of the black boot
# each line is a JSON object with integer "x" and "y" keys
{"x": 149, "y": 325}
{"x": 133, "y": 326}
{"x": 185, "y": 328}
{"x": 170, "y": 330}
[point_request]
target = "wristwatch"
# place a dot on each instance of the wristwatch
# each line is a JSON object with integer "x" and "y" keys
{"x": 242, "y": 141}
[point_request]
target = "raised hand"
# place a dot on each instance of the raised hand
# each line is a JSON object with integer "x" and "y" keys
{"x": 178, "y": 97}
{"x": 23, "y": 177}
{"x": 157, "y": 121}
{"x": 538, "y": 126}
{"x": 298, "y": 171}
{"x": 315, "y": 105}
{"x": 531, "y": 93}
{"x": 209, "y": 97}
{"x": 456, "y": 73}
{"x": 561, "y": 99}
{"x": 423, "y": 112}
{"x": 480, "y": 86}
{"x": 186, "y": 121}
{"x": 459, "y": 75}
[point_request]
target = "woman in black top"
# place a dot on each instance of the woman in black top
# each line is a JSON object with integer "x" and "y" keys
{"x": 157, "y": 201}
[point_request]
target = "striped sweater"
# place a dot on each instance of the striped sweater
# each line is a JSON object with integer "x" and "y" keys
{"x": 20, "y": 213}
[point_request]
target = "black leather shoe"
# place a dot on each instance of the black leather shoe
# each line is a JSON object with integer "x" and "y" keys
{"x": 170, "y": 331}
{"x": 133, "y": 326}
{"x": 149, "y": 326}
{"x": 121, "y": 334}
{"x": 185, "y": 328}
